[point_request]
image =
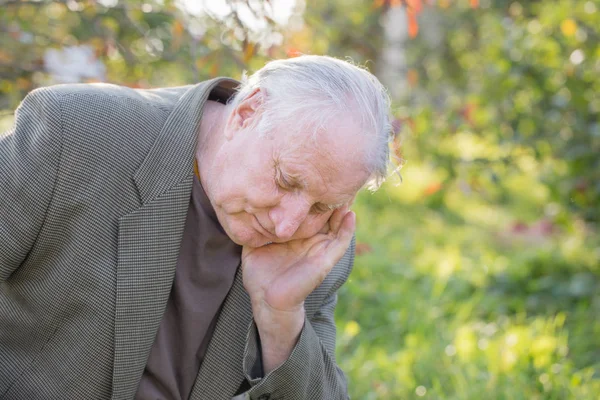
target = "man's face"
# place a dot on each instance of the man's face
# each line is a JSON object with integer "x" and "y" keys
{"x": 283, "y": 187}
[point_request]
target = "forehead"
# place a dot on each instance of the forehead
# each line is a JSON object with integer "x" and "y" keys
{"x": 335, "y": 153}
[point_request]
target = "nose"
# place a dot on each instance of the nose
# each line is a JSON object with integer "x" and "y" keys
{"x": 288, "y": 216}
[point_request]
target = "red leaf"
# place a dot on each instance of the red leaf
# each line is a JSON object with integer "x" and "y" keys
{"x": 293, "y": 52}
{"x": 519, "y": 227}
{"x": 467, "y": 113}
{"x": 363, "y": 248}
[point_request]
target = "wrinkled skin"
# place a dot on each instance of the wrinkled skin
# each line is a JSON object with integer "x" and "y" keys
{"x": 285, "y": 198}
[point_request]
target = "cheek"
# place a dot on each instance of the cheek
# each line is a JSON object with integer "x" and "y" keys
{"x": 262, "y": 193}
{"x": 229, "y": 195}
{"x": 239, "y": 229}
{"x": 313, "y": 224}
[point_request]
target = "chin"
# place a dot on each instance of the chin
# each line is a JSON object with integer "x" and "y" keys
{"x": 248, "y": 238}
{"x": 251, "y": 242}
{"x": 241, "y": 232}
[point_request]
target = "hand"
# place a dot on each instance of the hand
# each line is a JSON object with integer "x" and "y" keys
{"x": 279, "y": 277}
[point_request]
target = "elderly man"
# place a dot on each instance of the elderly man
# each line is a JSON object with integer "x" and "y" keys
{"x": 186, "y": 242}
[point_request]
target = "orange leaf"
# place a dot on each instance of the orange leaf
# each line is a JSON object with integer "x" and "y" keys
{"x": 293, "y": 52}
{"x": 177, "y": 28}
{"x": 412, "y": 75}
{"x": 413, "y": 25}
{"x": 214, "y": 69}
{"x": 397, "y": 148}
{"x": 388, "y": 3}
{"x": 134, "y": 85}
{"x": 474, "y": 3}
{"x": 249, "y": 50}
{"x": 432, "y": 188}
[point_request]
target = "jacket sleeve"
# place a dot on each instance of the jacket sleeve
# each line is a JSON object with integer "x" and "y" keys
{"x": 29, "y": 158}
{"x": 311, "y": 371}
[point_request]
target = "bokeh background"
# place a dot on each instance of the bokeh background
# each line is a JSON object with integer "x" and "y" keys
{"x": 478, "y": 275}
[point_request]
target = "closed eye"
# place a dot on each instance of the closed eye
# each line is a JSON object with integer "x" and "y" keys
{"x": 281, "y": 181}
{"x": 320, "y": 208}
{"x": 286, "y": 182}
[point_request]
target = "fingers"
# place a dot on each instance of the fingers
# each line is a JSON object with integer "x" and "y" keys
{"x": 325, "y": 229}
{"x": 347, "y": 227}
{"x": 340, "y": 244}
{"x": 308, "y": 273}
{"x": 335, "y": 221}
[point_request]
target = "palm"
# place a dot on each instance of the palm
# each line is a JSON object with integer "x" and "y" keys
{"x": 281, "y": 275}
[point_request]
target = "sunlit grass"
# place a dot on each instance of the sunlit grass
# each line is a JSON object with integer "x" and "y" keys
{"x": 449, "y": 301}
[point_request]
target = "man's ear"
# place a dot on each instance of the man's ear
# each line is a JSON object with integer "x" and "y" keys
{"x": 246, "y": 112}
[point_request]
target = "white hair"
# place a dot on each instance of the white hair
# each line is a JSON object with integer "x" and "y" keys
{"x": 306, "y": 92}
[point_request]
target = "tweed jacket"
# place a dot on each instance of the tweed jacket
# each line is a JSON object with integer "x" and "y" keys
{"x": 95, "y": 182}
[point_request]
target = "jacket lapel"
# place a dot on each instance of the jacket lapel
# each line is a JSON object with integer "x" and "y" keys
{"x": 221, "y": 372}
{"x": 149, "y": 237}
{"x": 149, "y": 241}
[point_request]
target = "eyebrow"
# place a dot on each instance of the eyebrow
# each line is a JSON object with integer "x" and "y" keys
{"x": 295, "y": 181}
{"x": 291, "y": 180}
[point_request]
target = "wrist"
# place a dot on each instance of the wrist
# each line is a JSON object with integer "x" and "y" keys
{"x": 279, "y": 332}
{"x": 276, "y": 323}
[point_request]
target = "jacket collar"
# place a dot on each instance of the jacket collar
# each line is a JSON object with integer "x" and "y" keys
{"x": 171, "y": 156}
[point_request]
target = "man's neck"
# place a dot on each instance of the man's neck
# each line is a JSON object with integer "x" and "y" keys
{"x": 210, "y": 135}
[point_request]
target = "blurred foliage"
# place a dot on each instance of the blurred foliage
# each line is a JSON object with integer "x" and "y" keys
{"x": 157, "y": 42}
{"x": 519, "y": 84}
{"x": 479, "y": 276}
{"x": 148, "y": 43}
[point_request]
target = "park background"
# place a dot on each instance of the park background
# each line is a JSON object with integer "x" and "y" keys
{"x": 477, "y": 273}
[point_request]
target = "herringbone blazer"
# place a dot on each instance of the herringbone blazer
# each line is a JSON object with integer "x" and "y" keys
{"x": 95, "y": 182}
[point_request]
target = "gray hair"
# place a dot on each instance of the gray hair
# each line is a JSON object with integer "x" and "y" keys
{"x": 309, "y": 90}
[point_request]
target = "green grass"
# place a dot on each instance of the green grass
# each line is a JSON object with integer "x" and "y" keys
{"x": 447, "y": 302}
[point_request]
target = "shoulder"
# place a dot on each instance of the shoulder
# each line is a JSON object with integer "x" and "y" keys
{"x": 112, "y": 123}
{"x": 108, "y": 113}
{"x": 162, "y": 99}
